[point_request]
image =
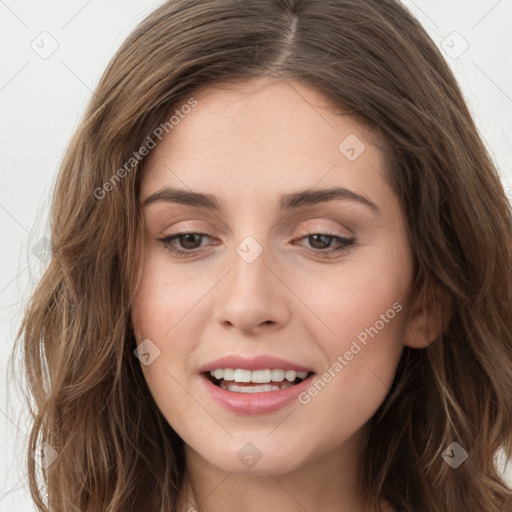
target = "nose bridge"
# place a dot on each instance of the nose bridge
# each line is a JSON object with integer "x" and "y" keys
{"x": 250, "y": 272}
{"x": 252, "y": 295}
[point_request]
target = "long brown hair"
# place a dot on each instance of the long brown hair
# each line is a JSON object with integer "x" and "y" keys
{"x": 90, "y": 403}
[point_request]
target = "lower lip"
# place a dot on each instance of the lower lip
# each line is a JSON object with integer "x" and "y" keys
{"x": 254, "y": 403}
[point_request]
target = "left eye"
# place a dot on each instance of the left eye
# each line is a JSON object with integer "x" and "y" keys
{"x": 323, "y": 239}
{"x": 320, "y": 243}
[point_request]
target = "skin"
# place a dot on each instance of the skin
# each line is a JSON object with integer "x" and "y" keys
{"x": 247, "y": 144}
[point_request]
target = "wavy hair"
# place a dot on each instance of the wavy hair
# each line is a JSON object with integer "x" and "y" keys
{"x": 85, "y": 388}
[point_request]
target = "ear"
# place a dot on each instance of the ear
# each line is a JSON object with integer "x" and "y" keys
{"x": 430, "y": 313}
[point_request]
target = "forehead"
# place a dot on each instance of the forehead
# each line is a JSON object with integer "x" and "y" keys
{"x": 263, "y": 137}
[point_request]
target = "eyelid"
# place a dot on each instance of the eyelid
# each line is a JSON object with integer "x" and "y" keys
{"x": 316, "y": 226}
{"x": 343, "y": 232}
{"x": 324, "y": 230}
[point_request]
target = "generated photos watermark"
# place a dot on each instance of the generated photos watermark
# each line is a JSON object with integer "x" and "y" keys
{"x": 158, "y": 133}
{"x": 355, "y": 348}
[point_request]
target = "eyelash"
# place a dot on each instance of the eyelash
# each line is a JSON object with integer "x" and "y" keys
{"x": 345, "y": 244}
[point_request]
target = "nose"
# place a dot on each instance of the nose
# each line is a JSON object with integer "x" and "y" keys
{"x": 253, "y": 297}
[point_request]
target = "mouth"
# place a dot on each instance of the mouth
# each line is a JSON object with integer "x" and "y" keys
{"x": 237, "y": 380}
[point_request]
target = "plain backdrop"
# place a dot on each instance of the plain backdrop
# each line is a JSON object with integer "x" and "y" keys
{"x": 52, "y": 55}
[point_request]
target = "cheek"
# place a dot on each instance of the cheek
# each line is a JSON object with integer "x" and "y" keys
{"x": 363, "y": 313}
{"x": 362, "y": 354}
{"x": 166, "y": 310}
{"x": 167, "y": 301}
{"x": 361, "y": 300}
{"x": 361, "y": 361}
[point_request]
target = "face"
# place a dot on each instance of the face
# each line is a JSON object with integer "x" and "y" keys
{"x": 275, "y": 280}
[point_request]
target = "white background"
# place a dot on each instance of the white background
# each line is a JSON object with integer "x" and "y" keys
{"x": 42, "y": 100}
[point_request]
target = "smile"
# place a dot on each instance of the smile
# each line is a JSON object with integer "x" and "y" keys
{"x": 256, "y": 381}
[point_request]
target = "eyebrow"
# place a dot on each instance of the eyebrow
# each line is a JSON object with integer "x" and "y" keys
{"x": 288, "y": 201}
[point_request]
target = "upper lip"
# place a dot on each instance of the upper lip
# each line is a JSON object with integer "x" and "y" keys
{"x": 261, "y": 362}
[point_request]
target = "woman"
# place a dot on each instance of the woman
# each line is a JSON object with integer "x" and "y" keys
{"x": 280, "y": 274}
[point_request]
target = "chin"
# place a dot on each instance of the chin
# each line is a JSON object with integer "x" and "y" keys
{"x": 256, "y": 457}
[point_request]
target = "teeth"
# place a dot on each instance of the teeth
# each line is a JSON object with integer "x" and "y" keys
{"x": 291, "y": 375}
{"x": 242, "y": 376}
{"x": 278, "y": 375}
{"x": 229, "y": 374}
{"x": 254, "y": 389}
{"x": 257, "y": 376}
{"x": 261, "y": 376}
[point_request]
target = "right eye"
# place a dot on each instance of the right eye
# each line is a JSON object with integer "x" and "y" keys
{"x": 187, "y": 240}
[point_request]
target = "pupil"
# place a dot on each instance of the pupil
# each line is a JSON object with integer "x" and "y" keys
{"x": 315, "y": 239}
{"x": 190, "y": 237}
